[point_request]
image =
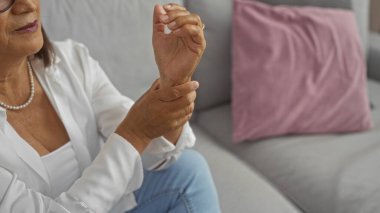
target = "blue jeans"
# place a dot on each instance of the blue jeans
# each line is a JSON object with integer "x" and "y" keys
{"x": 185, "y": 187}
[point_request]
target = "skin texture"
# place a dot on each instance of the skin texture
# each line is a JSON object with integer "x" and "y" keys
{"x": 38, "y": 124}
{"x": 177, "y": 54}
{"x": 161, "y": 111}
{"x": 152, "y": 117}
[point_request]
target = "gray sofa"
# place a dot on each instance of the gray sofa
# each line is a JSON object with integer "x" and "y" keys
{"x": 312, "y": 174}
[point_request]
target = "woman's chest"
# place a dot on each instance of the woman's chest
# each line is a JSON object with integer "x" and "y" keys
{"x": 39, "y": 125}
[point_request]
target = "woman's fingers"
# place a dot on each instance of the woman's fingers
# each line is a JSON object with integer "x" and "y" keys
{"x": 181, "y": 114}
{"x": 181, "y": 103}
{"x": 170, "y": 94}
{"x": 179, "y": 122}
{"x": 184, "y": 111}
{"x": 195, "y": 32}
{"x": 160, "y": 110}
{"x": 179, "y": 18}
{"x": 180, "y": 21}
{"x": 183, "y": 24}
{"x": 179, "y": 111}
{"x": 172, "y": 15}
{"x": 173, "y": 6}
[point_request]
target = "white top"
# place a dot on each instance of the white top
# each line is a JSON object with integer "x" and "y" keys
{"x": 62, "y": 168}
{"x": 90, "y": 108}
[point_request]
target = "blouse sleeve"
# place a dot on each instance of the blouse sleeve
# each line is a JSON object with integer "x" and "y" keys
{"x": 102, "y": 184}
{"x": 111, "y": 107}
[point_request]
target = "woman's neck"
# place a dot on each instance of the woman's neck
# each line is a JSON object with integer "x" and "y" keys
{"x": 13, "y": 80}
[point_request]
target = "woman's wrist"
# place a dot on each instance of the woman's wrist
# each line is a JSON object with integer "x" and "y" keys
{"x": 170, "y": 82}
{"x": 139, "y": 142}
{"x": 174, "y": 135}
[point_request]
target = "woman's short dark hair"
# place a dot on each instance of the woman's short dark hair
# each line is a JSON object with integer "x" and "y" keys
{"x": 46, "y": 53}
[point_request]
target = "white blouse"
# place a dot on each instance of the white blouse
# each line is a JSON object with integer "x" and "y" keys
{"x": 62, "y": 168}
{"x": 110, "y": 168}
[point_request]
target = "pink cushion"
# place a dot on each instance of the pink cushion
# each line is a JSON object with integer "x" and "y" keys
{"x": 296, "y": 70}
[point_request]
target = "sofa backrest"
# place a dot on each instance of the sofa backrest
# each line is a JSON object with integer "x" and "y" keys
{"x": 215, "y": 69}
{"x": 117, "y": 32}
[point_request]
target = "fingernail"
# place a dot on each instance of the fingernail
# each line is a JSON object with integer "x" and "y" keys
{"x": 168, "y": 6}
{"x": 196, "y": 84}
{"x": 164, "y": 17}
{"x": 162, "y": 11}
{"x": 171, "y": 25}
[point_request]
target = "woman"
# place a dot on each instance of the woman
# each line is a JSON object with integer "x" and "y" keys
{"x": 70, "y": 142}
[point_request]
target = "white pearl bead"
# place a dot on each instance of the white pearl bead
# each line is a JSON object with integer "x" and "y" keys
{"x": 22, "y": 106}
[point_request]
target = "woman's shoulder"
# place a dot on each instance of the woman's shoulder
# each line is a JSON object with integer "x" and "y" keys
{"x": 70, "y": 50}
{"x": 74, "y": 60}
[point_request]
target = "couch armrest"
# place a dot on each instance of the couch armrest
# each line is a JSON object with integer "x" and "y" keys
{"x": 374, "y": 56}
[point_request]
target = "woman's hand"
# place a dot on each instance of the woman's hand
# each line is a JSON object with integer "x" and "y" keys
{"x": 158, "y": 111}
{"x": 179, "y": 52}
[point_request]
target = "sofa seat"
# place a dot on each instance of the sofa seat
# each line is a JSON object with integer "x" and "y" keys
{"x": 319, "y": 173}
{"x": 240, "y": 188}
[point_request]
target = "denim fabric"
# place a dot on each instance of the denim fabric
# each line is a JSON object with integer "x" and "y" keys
{"x": 185, "y": 187}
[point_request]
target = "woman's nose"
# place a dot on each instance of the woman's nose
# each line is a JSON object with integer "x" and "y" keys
{"x": 24, "y": 6}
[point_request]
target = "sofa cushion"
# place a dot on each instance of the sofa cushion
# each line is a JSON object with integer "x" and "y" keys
{"x": 240, "y": 188}
{"x": 321, "y": 173}
{"x": 361, "y": 9}
{"x": 213, "y": 73}
{"x": 118, "y": 34}
{"x": 288, "y": 73}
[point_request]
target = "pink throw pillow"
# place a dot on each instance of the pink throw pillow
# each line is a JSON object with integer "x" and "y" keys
{"x": 296, "y": 70}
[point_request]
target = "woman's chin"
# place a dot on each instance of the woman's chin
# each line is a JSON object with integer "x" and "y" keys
{"x": 29, "y": 44}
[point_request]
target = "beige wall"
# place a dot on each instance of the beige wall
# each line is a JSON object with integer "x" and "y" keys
{"x": 375, "y": 15}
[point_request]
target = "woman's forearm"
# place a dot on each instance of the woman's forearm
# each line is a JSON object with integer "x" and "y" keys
{"x": 174, "y": 135}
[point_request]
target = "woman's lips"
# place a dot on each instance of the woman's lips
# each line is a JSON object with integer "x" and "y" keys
{"x": 31, "y": 27}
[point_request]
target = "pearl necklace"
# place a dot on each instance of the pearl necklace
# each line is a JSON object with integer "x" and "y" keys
{"x": 22, "y": 106}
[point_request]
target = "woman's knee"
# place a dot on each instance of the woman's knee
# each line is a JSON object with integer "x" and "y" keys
{"x": 191, "y": 162}
{"x": 191, "y": 178}
{"x": 192, "y": 169}
{"x": 199, "y": 188}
